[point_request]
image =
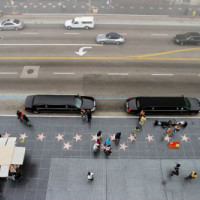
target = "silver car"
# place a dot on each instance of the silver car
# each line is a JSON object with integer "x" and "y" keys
{"x": 110, "y": 38}
{"x": 11, "y": 24}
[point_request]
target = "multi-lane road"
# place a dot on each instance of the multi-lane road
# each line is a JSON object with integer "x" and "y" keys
{"x": 148, "y": 63}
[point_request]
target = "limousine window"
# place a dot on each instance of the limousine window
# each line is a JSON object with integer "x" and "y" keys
{"x": 78, "y": 102}
{"x": 187, "y": 103}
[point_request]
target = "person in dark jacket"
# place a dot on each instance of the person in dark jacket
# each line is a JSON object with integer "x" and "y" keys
{"x": 176, "y": 170}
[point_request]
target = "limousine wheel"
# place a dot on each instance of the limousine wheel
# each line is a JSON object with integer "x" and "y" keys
{"x": 69, "y": 27}
{"x": 86, "y": 27}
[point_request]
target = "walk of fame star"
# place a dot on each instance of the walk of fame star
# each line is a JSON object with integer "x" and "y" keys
{"x": 67, "y": 146}
{"x": 40, "y": 136}
{"x": 78, "y": 137}
{"x": 132, "y": 138}
{"x": 23, "y": 136}
{"x": 112, "y": 137}
{"x": 167, "y": 138}
{"x": 59, "y": 137}
{"x": 149, "y": 138}
{"x": 94, "y": 137}
{"x": 6, "y": 135}
{"x": 123, "y": 146}
{"x": 185, "y": 138}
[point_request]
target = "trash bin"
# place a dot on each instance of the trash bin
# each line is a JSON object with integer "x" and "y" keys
{"x": 94, "y": 9}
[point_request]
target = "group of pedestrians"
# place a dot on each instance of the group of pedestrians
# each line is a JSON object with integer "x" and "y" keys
{"x": 107, "y": 144}
{"x": 175, "y": 171}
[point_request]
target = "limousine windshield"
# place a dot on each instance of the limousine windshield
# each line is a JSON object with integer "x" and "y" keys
{"x": 78, "y": 102}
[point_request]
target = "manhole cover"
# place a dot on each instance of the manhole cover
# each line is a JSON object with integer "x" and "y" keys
{"x": 29, "y": 71}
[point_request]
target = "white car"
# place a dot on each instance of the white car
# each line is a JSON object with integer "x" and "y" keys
{"x": 11, "y": 24}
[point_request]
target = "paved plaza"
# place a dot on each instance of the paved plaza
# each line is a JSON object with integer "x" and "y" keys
{"x": 59, "y": 155}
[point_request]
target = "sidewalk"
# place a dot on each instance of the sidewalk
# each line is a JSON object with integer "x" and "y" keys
{"x": 109, "y": 19}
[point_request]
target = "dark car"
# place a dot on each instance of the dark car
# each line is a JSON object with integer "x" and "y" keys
{"x": 154, "y": 105}
{"x": 59, "y": 103}
{"x": 188, "y": 38}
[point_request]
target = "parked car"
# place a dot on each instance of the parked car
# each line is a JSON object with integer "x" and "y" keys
{"x": 188, "y": 38}
{"x": 11, "y": 24}
{"x": 109, "y": 38}
{"x": 154, "y": 105}
{"x": 80, "y": 22}
{"x": 59, "y": 103}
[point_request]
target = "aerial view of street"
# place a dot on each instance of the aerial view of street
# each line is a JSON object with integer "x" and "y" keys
{"x": 99, "y": 99}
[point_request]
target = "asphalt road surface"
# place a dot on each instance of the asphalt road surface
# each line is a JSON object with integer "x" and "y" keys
{"x": 42, "y": 59}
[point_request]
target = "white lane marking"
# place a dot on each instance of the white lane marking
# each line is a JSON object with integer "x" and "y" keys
{"x": 72, "y": 33}
{"x": 123, "y": 33}
{"x": 63, "y": 73}
{"x": 8, "y": 73}
{"x": 162, "y": 74}
{"x": 50, "y": 45}
{"x": 117, "y": 74}
{"x": 159, "y": 34}
{"x": 29, "y": 33}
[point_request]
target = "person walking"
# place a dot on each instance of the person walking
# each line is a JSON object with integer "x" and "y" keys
{"x": 90, "y": 176}
{"x": 176, "y": 170}
{"x": 107, "y": 142}
{"x": 89, "y": 115}
{"x": 136, "y": 130}
{"x": 107, "y": 150}
{"x": 194, "y": 13}
{"x": 96, "y": 147}
{"x": 99, "y": 135}
{"x": 192, "y": 175}
{"x": 117, "y": 137}
{"x": 142, "y": 120}
{"x": 142, "y": 113}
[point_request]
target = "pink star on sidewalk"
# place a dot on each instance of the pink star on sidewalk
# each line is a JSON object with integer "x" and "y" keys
{"x": 78, "y": 137}
{"x": 6, "y": 135}
{"x": 94, "y": 137}
{"x": 167, "y": 138}
{"x": 112, "y": 137}
{"x": 149, "y": 138}
{"x": 23, "y": 136}
{"x": 185, "y": 138}
{"x": 123, "y": 146}
{"x": 40, "y": 136}
{"x": 67, "y": 146}
{"x": 132, "y": 138}
{"x": 59, "y": 137}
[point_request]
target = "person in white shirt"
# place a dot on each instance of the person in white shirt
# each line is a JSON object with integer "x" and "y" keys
{"x": 90, "y": 176}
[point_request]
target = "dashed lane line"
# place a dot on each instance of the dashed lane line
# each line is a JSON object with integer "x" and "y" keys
{"x": 71, "y": 33}
{"x": 63, "y": 73}
{"x": 8, "y": 73}
{"x": 162, "y": 74}
{"x": 117, "y": 74}
{"x": 159, "y": 34}
{"x": 49, "y": 44}
{"x": 33, "y": 33}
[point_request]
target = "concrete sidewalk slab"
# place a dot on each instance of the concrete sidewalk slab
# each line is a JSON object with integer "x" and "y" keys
{"x": 141, "y": 179}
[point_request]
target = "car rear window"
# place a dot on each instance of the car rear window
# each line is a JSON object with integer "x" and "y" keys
{"x": 16, "y": 21}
